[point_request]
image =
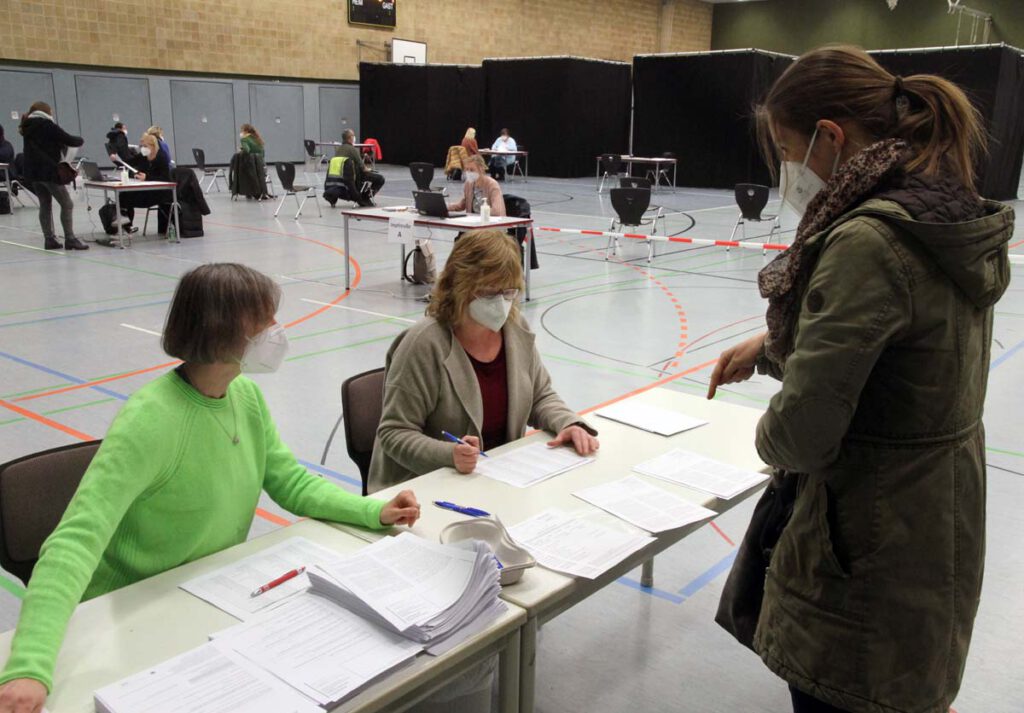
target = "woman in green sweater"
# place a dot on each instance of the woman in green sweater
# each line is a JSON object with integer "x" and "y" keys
{"x": 180, "y": 472}
{"x": 252, "y": 142}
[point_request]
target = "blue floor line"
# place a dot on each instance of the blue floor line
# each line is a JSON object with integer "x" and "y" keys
{"x": 653, "y": 591}
{"x": 1006, "y": 355}
{"x": 83, "y": 314}
{"x": 317, "y": 468}
{"x": 709, "y": 576}
{"x": 61, "y": 375}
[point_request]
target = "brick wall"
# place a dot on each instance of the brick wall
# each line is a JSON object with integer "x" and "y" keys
{"x": 312, "y": 38}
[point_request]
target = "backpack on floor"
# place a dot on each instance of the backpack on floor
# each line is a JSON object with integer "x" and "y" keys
{"x": 424, "y": 264}
{"x": 108, "y": 216}
{"x": 5, "y": 203}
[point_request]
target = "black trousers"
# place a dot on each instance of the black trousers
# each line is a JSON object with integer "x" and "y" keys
{"x": 803, "y": 703}
{"x": 375, "y": 179}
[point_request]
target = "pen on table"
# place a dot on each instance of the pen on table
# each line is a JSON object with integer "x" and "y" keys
{"x": 456, "y": 439}
{"x": 472, "y": 512}
{"x": 277, "y": 582}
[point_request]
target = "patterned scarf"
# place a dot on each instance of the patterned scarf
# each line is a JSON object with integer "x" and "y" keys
{"x": 783, "y": 281}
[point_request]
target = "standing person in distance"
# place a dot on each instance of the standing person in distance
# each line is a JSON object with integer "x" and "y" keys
{"x": 879, "y": 327}
{"x": 469, "y": 142}
{"x": 117, "y": 137}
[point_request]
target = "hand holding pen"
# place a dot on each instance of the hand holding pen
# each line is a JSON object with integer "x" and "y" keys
{"x": 465, "y": 453}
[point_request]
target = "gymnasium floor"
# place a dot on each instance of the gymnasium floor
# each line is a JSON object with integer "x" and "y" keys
{"x": 605, "y": 328}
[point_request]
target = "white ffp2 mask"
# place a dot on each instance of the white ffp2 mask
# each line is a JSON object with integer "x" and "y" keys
{"x": 490, "y": 312}
{"x": 265, "y": 351}
{"x": 471, "y": 176}
{"x": 798, "y": 185}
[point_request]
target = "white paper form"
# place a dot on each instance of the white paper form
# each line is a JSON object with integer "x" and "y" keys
{"x": 203, "y": 680}
{"x": 565, "y": 543}
{"x": 230, "y": 587}
{"x": 644, "y": 505}
{"x": 530, "y": 464}
{"x": 319, "y": 648}
{"x": 653, "y": 419}
{"x": 702, "y": 473}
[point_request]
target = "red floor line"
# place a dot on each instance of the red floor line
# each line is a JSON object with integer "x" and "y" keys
{"x": 724, "y": 536}
{"x": 1011, "y": 247}
{"x": 38, "y": 418}
{"x": 90, "y": 384}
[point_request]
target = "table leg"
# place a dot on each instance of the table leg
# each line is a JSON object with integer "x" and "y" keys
{"x": 597, "y": 175}
{"x": 526, "y": 160}
{"x": 527, "y": 244}
{"x": 117, "y": 219}
{"x": 508, "y": 675}
{"x": 348, "y": 264}
{"x": 675, "y": 167}
{"x": 647, "y": 574}
{"x": 177, "y": 214}
{"x": 527, "y": 664}
{"x": 401, "y": 266}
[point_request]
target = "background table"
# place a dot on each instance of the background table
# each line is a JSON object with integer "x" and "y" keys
{"x": 361, "y": 147}
{"x": 656, "y": 162}
{"x": 543, "y": 593}
{"x": 468, "y": 222}
{"x": 525, "y": 155}
{"x": 128, "y": 630}
{"x": 117, "y": 188}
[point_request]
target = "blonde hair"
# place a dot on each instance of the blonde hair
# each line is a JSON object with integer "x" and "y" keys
{"x": 481, "y": 259}
{"x": 150, "y": 137}
{"x": 476, "y": 160}
{"x": 155, "y": 131}
{"x": 471, "y": 133}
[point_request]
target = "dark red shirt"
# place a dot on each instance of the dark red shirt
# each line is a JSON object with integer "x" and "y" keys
{"x": 492, "y": 377}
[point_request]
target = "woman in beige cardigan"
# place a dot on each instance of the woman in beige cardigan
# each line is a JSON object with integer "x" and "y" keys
{"x": 470, "y": 368}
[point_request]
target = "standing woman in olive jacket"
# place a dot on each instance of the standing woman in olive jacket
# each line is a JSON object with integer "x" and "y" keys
{"x": 879, "y": 326}
{"x": 45, "y": 143}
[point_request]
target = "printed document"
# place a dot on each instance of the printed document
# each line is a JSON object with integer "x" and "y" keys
{"x": 693, "y": 470}
{"x": 654, "y": 419}
{"x": 530, "y": 464}
{"x": 646, "y": 506}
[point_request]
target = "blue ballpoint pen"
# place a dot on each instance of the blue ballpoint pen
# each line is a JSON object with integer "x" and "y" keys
{"x": 472, "y": 512}
{"x": 456, "y": 439}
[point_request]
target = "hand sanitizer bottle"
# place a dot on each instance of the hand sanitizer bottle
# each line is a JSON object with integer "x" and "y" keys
{"x": 124, "y": 175}
{"x": 485, "y": 212}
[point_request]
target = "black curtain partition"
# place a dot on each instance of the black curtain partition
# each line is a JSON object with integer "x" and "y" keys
{"x": 700, "y": 107}
{"x": 417, "y": 111}
{"x": 563, "y": 110}
{"x": 993, "y": 78}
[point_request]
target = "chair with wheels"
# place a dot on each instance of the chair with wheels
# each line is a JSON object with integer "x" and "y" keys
{"x": 630, "y": 205}
{"x": 212, "y": 173}
{"x": 751, "y": 199}
{"x": 610, "y": 167}
{"x": 286, "y": 175}
{"x": 362, "y": 400}
{"x": 34, "y": 493}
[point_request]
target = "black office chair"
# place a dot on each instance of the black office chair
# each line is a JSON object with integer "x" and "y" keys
{"x": 212, "y": 173}
{"x": 630, "y": 205}
{"x": 313, "y": 159}
{"x": 422, "y": 174}
{"x": 751, "y": 199}
{"x": 609, "y": 166}
{"x": 286, "y": 175}
{"x": 634, "y": 182}
{"x": 518, "y": 207}
{"x": 34, "y": 493}
{"x": 362, "y": 399}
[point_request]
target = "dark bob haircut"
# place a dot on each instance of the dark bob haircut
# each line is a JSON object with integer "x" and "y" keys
{"x": 215, "y": 307}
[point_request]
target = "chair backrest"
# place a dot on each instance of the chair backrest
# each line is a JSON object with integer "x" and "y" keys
{"x": 611, "y": 163}
{"x": 630, "y": 204}
{"x": 634, "y": 182}
{"x": 109, "y": 148}
{"x": 751, "y": 199}
{"x": 310, "y": 146}
{"x": 34, "y": 493}
{"x": 516, "y": 206}
{"x": 362, "y": 401}
{"x": 422, "y": 174}
{"x": 200, "y": 158}
{"x": 286, "y": 175}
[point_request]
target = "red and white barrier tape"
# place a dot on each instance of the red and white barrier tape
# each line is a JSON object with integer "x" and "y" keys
{"x": 669, "y": 239}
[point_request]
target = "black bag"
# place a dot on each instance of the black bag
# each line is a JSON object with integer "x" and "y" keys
{"x": 65, "y": 173}
{"x": 740, "y": 605}
{"x": 5, "y": 203}
{"x": 108, "y": 216}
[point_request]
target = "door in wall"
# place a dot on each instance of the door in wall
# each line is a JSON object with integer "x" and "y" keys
{"x": 18, "y": 91}
{"x": 100, "y": 100}
{"x": 204, "y": 118}
{"x": 277, "y": 113}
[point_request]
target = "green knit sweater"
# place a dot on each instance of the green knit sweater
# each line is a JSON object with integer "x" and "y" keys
{"x": 251, "y": 145}
{"x": 167, "y": 486}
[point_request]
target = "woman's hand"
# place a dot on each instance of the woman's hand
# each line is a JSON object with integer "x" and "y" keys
{"x": 465, "y": 456}
{"x": 403, "y": 509}
{"x": 736, "y": 364}
{"x": 22, "y": 695}
{"x": 583, "y": 442}
{"x": 140, "y": 176}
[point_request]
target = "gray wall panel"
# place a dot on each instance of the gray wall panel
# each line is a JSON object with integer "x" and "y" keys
{"x": 18, "y": 90}
{"x": 339, "y": 110}
{"x": 277, "y": 113}
{"x": 101, "y": 98}
{"x": 163, "y": 115}
{"x": 204, "y": 117}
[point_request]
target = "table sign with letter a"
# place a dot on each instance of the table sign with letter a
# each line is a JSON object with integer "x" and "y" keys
{"x": 401, "y": 229}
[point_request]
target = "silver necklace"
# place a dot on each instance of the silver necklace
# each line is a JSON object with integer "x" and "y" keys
{"x": 234, "y": 419}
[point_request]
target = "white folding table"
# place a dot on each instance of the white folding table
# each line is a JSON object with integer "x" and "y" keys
{"x": 119, "y": 187}
{"x": 656, "y": 161}
{"x": 525, "y": 155}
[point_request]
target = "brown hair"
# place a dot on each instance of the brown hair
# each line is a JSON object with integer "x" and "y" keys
{"x": 843, "y": 82}
{"x": 481, "y": 259}
{"x": 36, "y": 106}
{"x": 214, "y": 309}
{"x": 251, "y": 130}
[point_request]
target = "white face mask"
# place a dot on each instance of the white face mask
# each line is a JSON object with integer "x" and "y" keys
{"x": 144, "y": 150}
{"x": 490, "y": 312}
{"x": 471, "y": 176}
{"x": 798, "y": 184}
{"x": 241, "y": 136}
{"x": 265, "y": 351}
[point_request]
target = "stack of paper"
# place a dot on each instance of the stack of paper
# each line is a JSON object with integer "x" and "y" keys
{"x": 566, "y": 543}
{"x": 436, "y": 595}
{"x": 702, "y": 473}
{"x": 530, "y": 464}
{"x": 636, "y": 501}
{"x": 650, "y": 418}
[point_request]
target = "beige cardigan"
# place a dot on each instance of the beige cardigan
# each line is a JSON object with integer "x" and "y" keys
{"x": 430, "y": 385}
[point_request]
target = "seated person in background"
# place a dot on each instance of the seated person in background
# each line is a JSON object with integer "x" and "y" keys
{"x": 6, "y": 149}
{"x": 363, "y": 174}
{"x": 504, "y": 143}
{"x": 117, "y": 137}
{"x": 254, "y": 183}
{"x": 477, "y": 188}
{"x": 470, "y": 368}
{"x": 469, "y": 142}
{"x": 151, "y": 165}
{"x": 180, "y": 471}
{"x": 252, "y": 142}
{"x": 164, "y": 147}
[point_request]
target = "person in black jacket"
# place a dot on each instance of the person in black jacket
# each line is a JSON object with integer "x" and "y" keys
{"x": 45, "y": 143}
{"x": 6, "y": 149}
{"x": 117, "y": 137}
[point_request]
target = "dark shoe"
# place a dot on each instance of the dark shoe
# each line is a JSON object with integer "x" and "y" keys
{"x": 107, "y": 242}
{"x": 74, "y": 244}
{"x": 129, "y": 229}
{"x": 52, "y": 244}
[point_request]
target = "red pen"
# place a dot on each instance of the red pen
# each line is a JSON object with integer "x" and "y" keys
{"x": 277, "y": 582}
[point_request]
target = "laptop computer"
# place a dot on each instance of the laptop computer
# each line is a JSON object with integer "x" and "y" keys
{"x": 93, "y": 173}
{"x": 433, "y": 204}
